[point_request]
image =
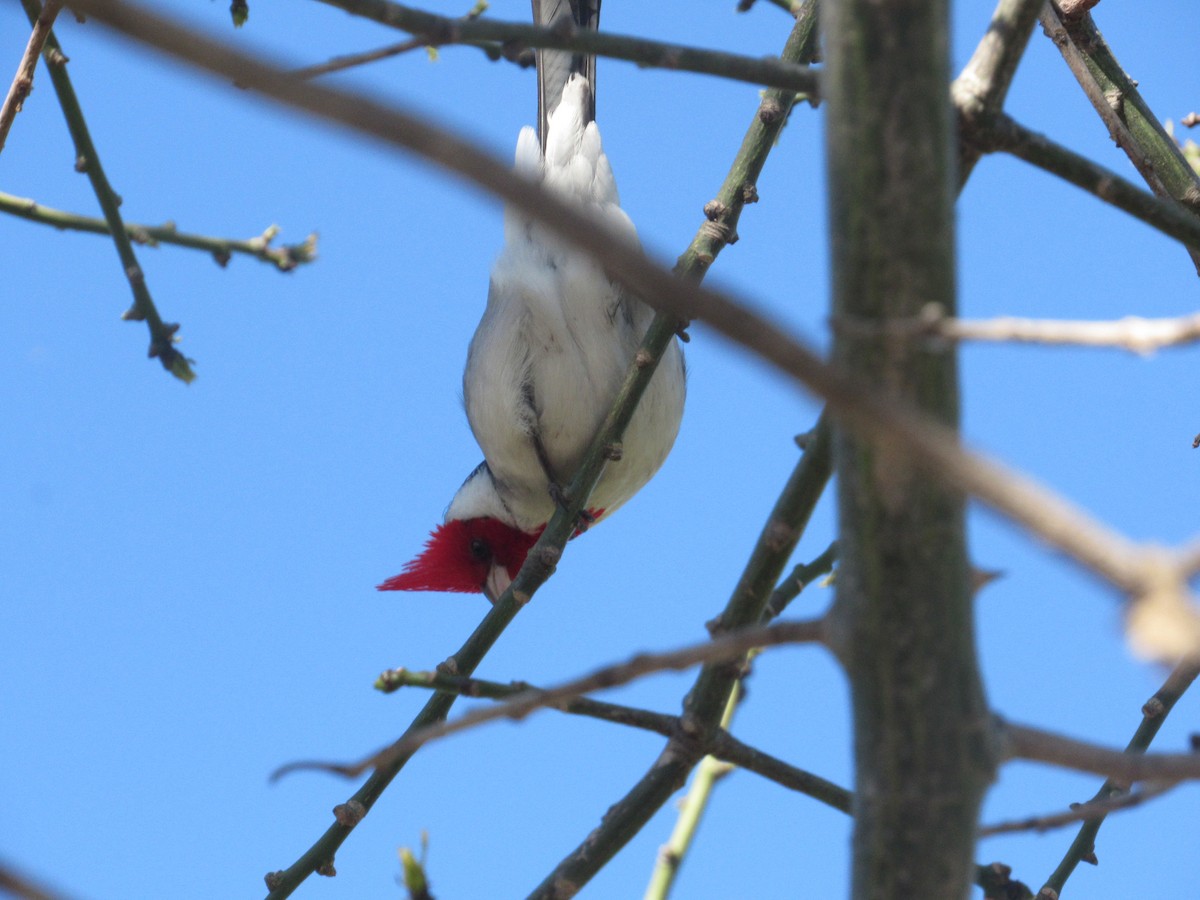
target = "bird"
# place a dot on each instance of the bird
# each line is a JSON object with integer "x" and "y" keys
{"x": 550, "y": 352}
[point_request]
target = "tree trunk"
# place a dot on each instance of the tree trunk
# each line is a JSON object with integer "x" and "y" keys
{"x": 903, "y": 619}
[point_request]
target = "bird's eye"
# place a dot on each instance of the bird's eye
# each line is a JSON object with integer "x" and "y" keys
{"x": 480, "y": 550}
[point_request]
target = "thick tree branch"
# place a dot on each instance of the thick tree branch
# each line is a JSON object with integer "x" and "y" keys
{"x": 285, "y": 258}
{"x": 511, "y": 37}
{"x": 981, "y": 88}
{"x": 22, "y": 82}
{"x": 1130, "y": 122}
{"x": 162, "y": 334}
{"x": 924, "y": 752}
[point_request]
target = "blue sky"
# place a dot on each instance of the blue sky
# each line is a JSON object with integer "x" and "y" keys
{"x": 187, "y": 599}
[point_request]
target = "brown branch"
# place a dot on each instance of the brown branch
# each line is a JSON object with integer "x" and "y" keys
{"x": 21, "y": 886}
{"x": 352, "y": 60}
{"x": 285, "y": 257}
{"x": 509, "y": 38}
{"x": 22, "y": 83}
{"x": 1038, "y": 745}
{"x": 723, "y": 745}
{"x": 1091, "y": 811}
{"x": 721, "y": 648}
{"x": 1132, "y": 333}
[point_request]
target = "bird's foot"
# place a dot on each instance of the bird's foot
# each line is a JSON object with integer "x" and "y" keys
{"x": 583, "y": 520}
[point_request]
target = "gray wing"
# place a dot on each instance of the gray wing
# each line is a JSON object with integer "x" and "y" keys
{"x": 554, "y": 67}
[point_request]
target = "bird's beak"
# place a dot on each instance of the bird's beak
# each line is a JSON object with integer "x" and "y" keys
{"x": 497, "y": 582}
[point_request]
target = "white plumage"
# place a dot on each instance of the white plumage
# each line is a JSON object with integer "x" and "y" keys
{"x": 555, "y": 342}
{"x": 551, "y": 352}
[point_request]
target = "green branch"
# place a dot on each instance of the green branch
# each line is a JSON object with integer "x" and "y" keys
{"x": 710, "y": 693}
{"x": 691, "y": 811}
{"x": 980, "y": 89}
{"x": 509, "y": 38}
{"x": 923, "y": 754}
{"x": 162, "y": 334}
{"x": 1006, "y": 135}
{"x": 800, "y": 578}
{"x": 1129, "y": 120}
{"x": 285, "y": 258}
{"x": 1154, "y": 713}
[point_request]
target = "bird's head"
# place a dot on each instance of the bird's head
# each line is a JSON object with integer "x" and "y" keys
{"x": 469, "y": 556}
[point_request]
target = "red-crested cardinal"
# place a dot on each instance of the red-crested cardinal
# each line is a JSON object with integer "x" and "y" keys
{"x": 550, "y": 353}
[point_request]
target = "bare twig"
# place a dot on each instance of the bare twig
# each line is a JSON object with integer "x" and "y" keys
{"x": 979, "y": 90}
{"x": 162, "y": 334}
{"x": 1124, "y": 768}
{"x": 511, "y": 37}
{"x": 1079, "y": 812}
{"x": 352, "y": 60}
{"x": 1132, "y": 333}
{"x": 800, "y": 578}
{"x": 285, "y": 257}
{"x": 22, "y": 82}
{"x": 1154, "y": 713}
{"x": 725, "y": 647}
{"x": 1005, "y": 134}
{"x": 723, "y": 745}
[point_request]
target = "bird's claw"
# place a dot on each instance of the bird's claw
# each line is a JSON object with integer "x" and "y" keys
{"x": 583, "y": 519}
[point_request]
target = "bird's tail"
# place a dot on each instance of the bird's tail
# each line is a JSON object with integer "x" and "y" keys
{"x": 555, "y": 67}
